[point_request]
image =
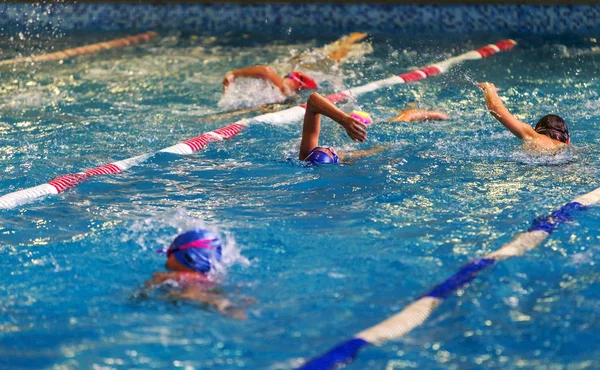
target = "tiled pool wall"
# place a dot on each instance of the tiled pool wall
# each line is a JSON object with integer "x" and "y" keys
{"x": 310, "y": 18}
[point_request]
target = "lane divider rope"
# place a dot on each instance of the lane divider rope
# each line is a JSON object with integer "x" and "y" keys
{"x": 417, "y": 312}
{"x": 64, "y": 182}
{"x": 86, "y": 49}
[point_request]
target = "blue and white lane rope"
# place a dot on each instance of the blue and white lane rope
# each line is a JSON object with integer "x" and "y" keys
{"x": 417, "y": 312}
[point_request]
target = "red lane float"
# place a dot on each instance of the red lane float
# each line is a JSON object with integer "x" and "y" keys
{"x": 87, "y": 49}
{"x": 64, "y": 182}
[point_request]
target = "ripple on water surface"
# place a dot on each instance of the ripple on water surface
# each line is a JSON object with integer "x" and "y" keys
{"x": 322, "y": 252}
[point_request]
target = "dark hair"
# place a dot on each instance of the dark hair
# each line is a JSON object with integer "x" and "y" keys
{"x": 554, "y": 127}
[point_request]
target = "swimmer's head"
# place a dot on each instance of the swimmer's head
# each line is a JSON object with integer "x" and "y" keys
{"x": 302, "y": 81}
{"x": 194, "y": 249}
{"x": 362, "y": 117}
{"x": 554, "y": 127}
{"x": 322, "y": 155}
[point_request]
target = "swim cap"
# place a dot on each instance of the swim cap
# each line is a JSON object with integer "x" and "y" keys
{"x": 318, "y": 156}
{"x": 554, "y": 127}
{"x": 362, "y": 117}
{"x": 195, "y": 248}
{"x": 302, "y": 81}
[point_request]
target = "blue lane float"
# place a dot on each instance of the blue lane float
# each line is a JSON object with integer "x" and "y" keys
{"x": 417, "y": 312}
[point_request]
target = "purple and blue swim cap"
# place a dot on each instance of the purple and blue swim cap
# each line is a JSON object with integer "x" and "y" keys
{"x": 195, "y": 248}
{"x": 319, "y": 156}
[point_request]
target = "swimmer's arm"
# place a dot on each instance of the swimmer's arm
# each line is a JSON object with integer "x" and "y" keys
{"x": 502, "y": 115}
{"x": 200, "y": 295}
{"x": 159, "y": 278}
{"x": 343, "y": 45}
{"x": 315, "y": 107}
{"x": 361, "y": 153}
{"x": 261, "y": 72}
{"x": 412, "y": 115}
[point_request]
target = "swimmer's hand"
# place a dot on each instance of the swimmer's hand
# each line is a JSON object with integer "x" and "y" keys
{"x": 487, "y": 86}
{"x": 229, "y": 77}
{"x": 158, "y": 278}
{"x": 355, "y": 129}
{"x": 226, "y": 308}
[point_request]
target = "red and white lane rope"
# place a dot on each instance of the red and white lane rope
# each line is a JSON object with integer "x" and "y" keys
{"x": 64, "y": 182}
{"x": 86, "y": 49}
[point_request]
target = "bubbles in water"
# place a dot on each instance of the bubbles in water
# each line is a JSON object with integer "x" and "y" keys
{"x": 470, "y": 79}
{"x": 582, "y": 258}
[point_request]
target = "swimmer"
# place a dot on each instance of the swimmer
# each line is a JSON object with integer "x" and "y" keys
{"x": 551, "y": 131}
{"x": 413, "y": 115}
{"x": 296, "y": 81}
{"x": 279, "y": 89}
{"x": 288, "y": 85}
{"x": 189, "y": 261}
{"x": 310, "y": 150}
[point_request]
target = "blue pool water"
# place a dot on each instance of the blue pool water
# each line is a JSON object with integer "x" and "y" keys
{"x": 323, "y": 252}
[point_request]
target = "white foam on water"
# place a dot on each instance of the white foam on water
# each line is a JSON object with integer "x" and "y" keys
{"x": 32, "y": 99}
{"x": 172, "y": 223}
{"x": 583, "y": 258}
{"x": 550, "y": 158}
{"x": 250, "y": 92}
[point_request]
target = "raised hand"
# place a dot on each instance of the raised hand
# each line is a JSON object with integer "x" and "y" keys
{"x": 229, "y": 77}
{"x": 487, "y": 86}
{"x": 355, "y": 129}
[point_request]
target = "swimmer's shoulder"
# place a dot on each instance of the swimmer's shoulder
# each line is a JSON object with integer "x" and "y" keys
{"x": 180, "y": 277}
{"x": 545, "y": 145}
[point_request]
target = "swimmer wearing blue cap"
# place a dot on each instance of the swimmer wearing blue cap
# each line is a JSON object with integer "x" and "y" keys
{"x": 190, "y": 258}
{"x": 310, "y": 150}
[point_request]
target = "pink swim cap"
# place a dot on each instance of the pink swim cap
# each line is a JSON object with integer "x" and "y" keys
{"x": 362, "y": 117}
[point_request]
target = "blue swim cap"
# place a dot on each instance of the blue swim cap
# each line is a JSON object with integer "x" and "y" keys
{"x": 194, "y": 249}
{"x": 318, "y": 156}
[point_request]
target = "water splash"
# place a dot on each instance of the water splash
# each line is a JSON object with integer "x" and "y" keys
{"x": 156, "y": 232}
{"x": 562, "y": 156}
{"x": 250, "y": 92}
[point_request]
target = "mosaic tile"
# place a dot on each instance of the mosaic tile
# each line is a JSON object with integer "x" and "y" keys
{"x": 314, "y": 19}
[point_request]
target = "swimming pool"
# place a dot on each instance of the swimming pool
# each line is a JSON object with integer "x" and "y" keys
{"x": 323, "y": 251}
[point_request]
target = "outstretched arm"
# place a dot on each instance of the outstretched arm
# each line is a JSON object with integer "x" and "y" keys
{"x": 500, "y": 113}
{"x": 262, "y": 72}
{"x": 223, "y": 305}
{"x": 412, "y": 115}
{"x": 342, "y": 46}
{"x": 362, "y": 153}
{"x": 311, "y": 129}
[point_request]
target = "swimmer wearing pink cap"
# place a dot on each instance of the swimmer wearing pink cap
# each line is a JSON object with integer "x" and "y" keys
{"x": 289, "y": 85}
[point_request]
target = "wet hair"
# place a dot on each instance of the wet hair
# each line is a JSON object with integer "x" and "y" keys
{"x": 554, "y": 127}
